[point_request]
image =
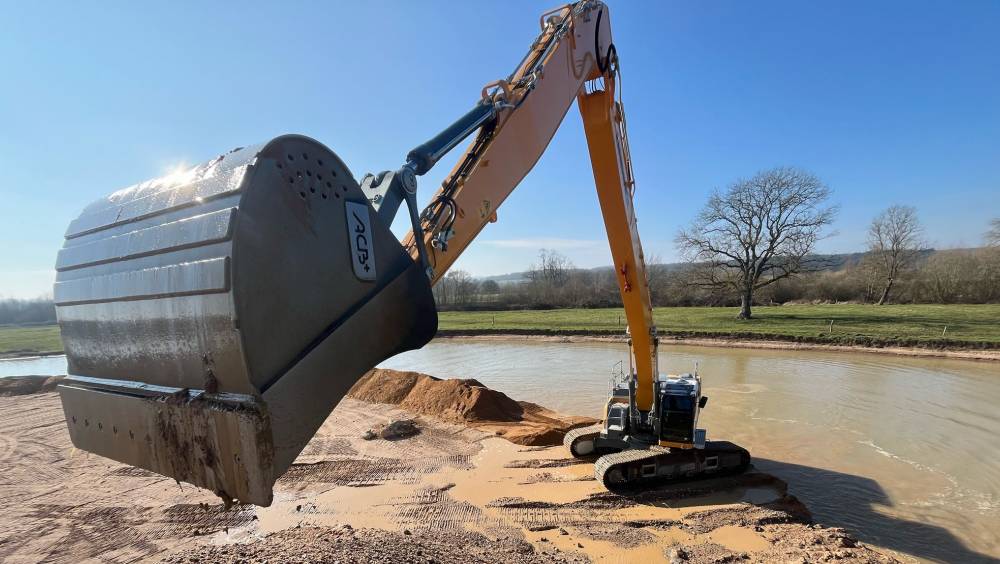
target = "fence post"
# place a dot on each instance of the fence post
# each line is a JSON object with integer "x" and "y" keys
{"x": 831, "y": 327}
{"x": 945, "y": 330}
{"x": 494, "y": 320}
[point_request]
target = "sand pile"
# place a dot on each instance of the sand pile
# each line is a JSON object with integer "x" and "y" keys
{"x": 24, "y": 385}
{"x": 467, "y": 402}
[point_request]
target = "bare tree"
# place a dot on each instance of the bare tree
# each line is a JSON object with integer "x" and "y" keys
{"x": 656, "y": 274}
{"x": 463, "y": 286}
{"x": 443, "y": 291}
{"x": 870, "y": 274}
{"x": 550, "y": 274}
{"x": 894, "y": 242}
{"x": 552, "y": 268}
{"x": 758, "y": 231}
{"x": 993, "y": 235}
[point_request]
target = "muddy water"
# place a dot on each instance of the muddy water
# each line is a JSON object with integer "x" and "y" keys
{"x": 905, "y": 452}
{"x": 33, "y": 366}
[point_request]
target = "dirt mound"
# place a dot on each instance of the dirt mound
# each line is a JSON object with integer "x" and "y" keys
{"x": 460, "y": 400}
{"x": 24, "y": 385}
{"x": 467, "y": 402}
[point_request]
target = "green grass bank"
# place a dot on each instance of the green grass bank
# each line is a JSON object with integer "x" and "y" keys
{"x": 929, "y": 326}
{"x": 29, "y": 340}
{"x": 939, "y": 326}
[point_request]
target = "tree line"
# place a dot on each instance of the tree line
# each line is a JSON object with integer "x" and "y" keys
{"x": 22, "y": 312}
{"x": 552, "y": 282}
{"x": 952, "y": 276}
{"x": 754, "y": 242}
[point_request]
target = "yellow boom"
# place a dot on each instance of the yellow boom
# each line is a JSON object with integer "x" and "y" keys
{"x": 574, "y": 58}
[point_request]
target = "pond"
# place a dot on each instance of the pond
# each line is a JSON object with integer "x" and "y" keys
{"x": 902, "y": 451}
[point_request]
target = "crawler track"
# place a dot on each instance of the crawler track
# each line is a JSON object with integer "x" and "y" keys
{"x": 580, "y": 442}
{"x": 657, "y": 465}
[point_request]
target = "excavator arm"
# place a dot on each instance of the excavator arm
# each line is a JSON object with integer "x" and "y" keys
{"x": 573, "y": 58}
{"x": 214, "y": 317}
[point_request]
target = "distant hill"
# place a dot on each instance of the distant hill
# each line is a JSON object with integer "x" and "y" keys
{"x": 835, "y": 261}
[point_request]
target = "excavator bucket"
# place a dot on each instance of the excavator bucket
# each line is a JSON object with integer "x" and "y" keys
{"x": 213, "y": 318}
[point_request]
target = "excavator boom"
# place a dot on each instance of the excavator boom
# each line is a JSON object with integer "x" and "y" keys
{"x": 574, "y": 58}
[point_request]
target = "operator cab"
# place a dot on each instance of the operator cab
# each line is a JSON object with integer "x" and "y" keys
{"x": 678, "y": 399}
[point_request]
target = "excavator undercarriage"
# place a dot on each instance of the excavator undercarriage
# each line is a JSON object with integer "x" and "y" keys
{"x": 633, "y": 449}
{"x": 214, "y": 317}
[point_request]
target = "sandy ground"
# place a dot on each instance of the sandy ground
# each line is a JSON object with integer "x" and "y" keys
{"x": 451, "y": 493}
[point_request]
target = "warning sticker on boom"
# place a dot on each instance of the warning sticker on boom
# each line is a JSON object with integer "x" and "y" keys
{"x": 359, "y": 232}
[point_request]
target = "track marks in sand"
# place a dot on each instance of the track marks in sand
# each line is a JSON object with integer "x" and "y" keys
{"x": 61, "y": 505}
{"x": 352, "y": 472}
{"x": 64, "y": 534}
{"x": 412, "y": 462}
{"x": 132, "y": 472}
{"x": 8, "y": 444}
{"x": 549, "y": 477}
{"x": 432, "y": 508}
{"x": 340, "y": 458}
{"x": 200, "y": 519}
{"x": 546, "y": 463}
{"x": 324, "y": 447}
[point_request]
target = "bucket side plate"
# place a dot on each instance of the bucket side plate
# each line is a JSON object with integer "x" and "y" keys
{"x": 222, "y": 443}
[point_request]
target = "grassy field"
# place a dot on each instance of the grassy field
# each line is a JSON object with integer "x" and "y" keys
{"x": 43, "y": 338}
{"x": 907, "y": 325}
{"x": 976, "y": 326}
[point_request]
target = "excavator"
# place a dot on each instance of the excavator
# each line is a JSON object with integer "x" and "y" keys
{"x": 212, "y": 318}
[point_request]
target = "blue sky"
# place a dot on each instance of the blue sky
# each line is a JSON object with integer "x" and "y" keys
{"x": 888, "y": 102}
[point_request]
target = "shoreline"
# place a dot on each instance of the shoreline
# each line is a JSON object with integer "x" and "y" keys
{"x": 987, "y": 355}
{"x": 28, "y": 355}
{"x": 765, "y": 342}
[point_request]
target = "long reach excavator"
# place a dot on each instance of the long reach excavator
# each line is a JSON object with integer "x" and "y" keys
{"x": 213, "y": 318}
